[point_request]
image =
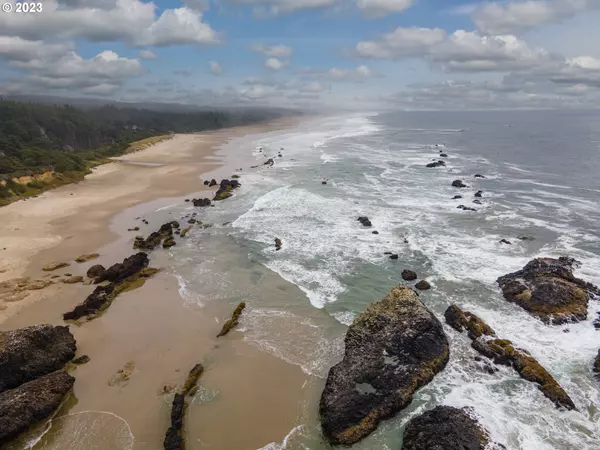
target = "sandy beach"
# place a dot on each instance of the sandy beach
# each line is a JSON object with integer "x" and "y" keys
{"x": 150, "y": 330}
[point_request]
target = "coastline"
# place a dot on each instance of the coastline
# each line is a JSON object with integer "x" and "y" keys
{"x": 150, "y": 326}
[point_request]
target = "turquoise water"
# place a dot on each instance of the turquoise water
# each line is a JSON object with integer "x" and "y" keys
{"x": 541, "y": 180}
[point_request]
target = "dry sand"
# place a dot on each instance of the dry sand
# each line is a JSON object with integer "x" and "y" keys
{"x": 259, "y": 396}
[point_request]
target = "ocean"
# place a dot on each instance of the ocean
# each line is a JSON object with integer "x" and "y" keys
{"x": 541, "y": 181}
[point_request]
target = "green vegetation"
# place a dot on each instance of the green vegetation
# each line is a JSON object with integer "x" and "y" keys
{"x": 68, "y": 141}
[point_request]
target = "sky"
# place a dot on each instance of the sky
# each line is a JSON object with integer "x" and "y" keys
{"x": 347, "y": 54}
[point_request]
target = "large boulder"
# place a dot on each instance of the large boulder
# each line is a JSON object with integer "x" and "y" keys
{"x": 28, "y": 353}
{"x": 547, "y": 289}
{"x": 24, "y": 406}
{"x": 392, "y": 348}
{"x": 446, "y": 428}
{"x": 502, "y": 351}
{"x": 130, "y": 265}
{"x": 436, "y": 164}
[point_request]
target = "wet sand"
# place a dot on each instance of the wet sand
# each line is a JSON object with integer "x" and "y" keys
{"x": 258, "y": 397}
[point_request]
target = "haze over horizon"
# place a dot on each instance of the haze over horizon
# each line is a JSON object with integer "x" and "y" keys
{"x": 367, "y": 54}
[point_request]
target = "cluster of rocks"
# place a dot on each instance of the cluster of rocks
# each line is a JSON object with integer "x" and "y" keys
{"x": 164, "y": 235}
{"x": 129, "y": 274}
{"x": 33, "y": 382}
{"x": 226, "y": 188}
{"x": 411, "y": 275}
{"x": 364, "y": 220}
{"x": 439, "y": 163}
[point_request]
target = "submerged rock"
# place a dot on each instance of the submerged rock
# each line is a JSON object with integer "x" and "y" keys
{"x": 201, "y": 202}
{"x": 409, "y": 275}
{"x": 364, "y": 220}
{"x": 436, "y": 164}
{"x": 226, "y": 189}
{"x": 446, "y": 428}
{"x": 392, "y": 348}
{"x": 458, "y": 184}
{"x": 478, "y": 175}
{"x": 504, "y": 241}
{"x": 477, "y": 202}
{"x": 456, "y": 197}
{"x": 277, "y": 244}
{"x": 524, "y": 237}
{"x": 32, "y": 402}
{"x": 423, "y": 285}
{"x": 394, "y": 256}
{"x": 547, "y": 289}
{"x": 232, "y": 323}
{"x": 502, "y": 351}
{"x": 596, "y": 368}
{"x": 465, "y": 208}
{"x": 28, "y": 353}
{"x": 269, "y": 162}
{"x": 479, "y": 194}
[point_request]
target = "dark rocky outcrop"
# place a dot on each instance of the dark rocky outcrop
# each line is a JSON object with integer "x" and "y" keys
{"x": 547, "y": 289}
{"x": 478, "y": 175}
{"x": 364, "y": 220}
{"x": 409, "y": 275}
{"x": 392, "y": 348}
{"x": 232, "y": 323}
{"x": 458, "y": 184}
{"x": 504, "y": 241}
{"x": 444, "y": 155}
{"x": 477, "y": 202}
{"x": 596, "y": 368}
{"x": 374, "y": 232}
{"x": 206, "y": 182}
{"x": 436, "y": 164}
{"x": 465, "y": 208}
{"x": 423, "y": 285}
{"x": 394, "y": 256}
{"x": 28, "y": 353}
{"x": 277, "y": 244}
{"x": 596, "y": 322}
{"x": 502, "y": 351}
{"x": 323, "y": 182}
{"x": 269, "y": 162}
{"x": 129, "y": 274}
{"x": 29, "y": 403}
{"x": 96, "y": 271}
{"x": 169, "y": 242}
{"x": 226, "y": 189}
{"x": 155, "y": 239}
{"x": 201, "y": 202}
{"x": 456, "y": 197}
{"x": 446, "y": 428}
{"x": 212, "y": 183}
{"x": 479, "y": 194}
{"x": 174, "y": 436}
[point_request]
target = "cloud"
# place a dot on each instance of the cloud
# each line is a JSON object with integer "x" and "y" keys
{"x": 183, "y": 72}
{"x": 358, "y": 74}
{"x": 17, "y": 49}
{"x": 276, "y": 7}
{"x": 275, "y": 64}
{"x": 131, "y": 21}
{"x": 275, "y": 51}
{"x": 373, "y": 9}
{"x": 401, "y": 43}
{"x": 515, "y": 17}
{"x": 147, "y": 54}
{"x": 215, "y": 68}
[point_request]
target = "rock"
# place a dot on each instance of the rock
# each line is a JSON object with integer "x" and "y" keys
{"x": 85, "y": 258}
{"x": 187, "y": 199}
{"x": 393, "y": 256}
{"x": 225, "y": 189}
{"x": 269, "y": 162}
{"x": 596, "y": 368}
{"x": 436, "y": 164}
{"x": 547, "y": 289}
{"x": 123, "y": 374}
{"x": 323, "y": 182}
{"x": 277, "y": 244}
{"x": 526, "y": 238}
{"x": 28, "y": 353}
{"x": 155, "y": 238}
{"x": 504, "y": 241}
{"x": 502, "y": 351}
{"x": 477, "y": 202}
{"x": 54, "y": 266}
{"x": 192, "y": 221}
{"x": 96, "y": 271}
{"x": 409, "y": 275}
{"x": 73, "y": 280}
{"x": 392, "y": 348}
{"x": 364, "y": 220}
{"x": 174, "y": 436}
{"x": 32, "y": 402}
{"x": 83, "y": 359}
{"x": 446, "y": 428}
{"x": 477, "y": 175}
{"x": 423, "y": 285}
{"x": 235, "y": 176}
{"x": 458, "y": 184}
{"x": 207, "y": 182}
{"x": 375, "y": 232}
{"x": 201, "y": 202}
{"x": 465, "y": 208}
{"x": 456, "y": 197}
{"x": 130, "y": 274}
{"x": 213, "y": 182}
{"x": 232, "y": 323}
{"x": 479, "y": 194}
{"x": 169, "y": 242}
{"x": 443, "y": 155}
{"x": 387, "y": 253}
{"x": 185, "y": 231}
{"x": 596, "y": 322}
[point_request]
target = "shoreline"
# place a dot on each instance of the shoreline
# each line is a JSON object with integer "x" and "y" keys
{"x": 151, "y": 326}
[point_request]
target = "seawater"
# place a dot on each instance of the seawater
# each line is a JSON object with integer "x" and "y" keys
{"x": 541, "y": 180}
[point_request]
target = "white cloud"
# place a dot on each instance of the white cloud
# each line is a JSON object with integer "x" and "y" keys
{"x": 132, "y": 21}
{"x": 275, "y": 64}
{"x": 379, "y": 8}
{"x": 16, "y": 48}
{"x": 401, "y": 43}
{"x": 215, "y": 68}
{"x": 514, "y": 17}
{"x": 357, "y": 74}
{"x": 147, "y": 54}
{"x": 275, "y": 51}
{"x": 276, "y": 7}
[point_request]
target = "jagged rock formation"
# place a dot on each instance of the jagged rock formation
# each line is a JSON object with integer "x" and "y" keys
{"x": 232, "y": 323}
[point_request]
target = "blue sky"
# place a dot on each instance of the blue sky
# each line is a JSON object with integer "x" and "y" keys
{"x": 309, "y": 53}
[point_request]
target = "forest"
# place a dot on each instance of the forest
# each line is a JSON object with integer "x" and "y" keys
{"x": 37, "y": 138}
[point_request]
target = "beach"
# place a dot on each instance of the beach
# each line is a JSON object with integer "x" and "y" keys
{"x": 151, "y": 330}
